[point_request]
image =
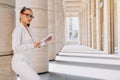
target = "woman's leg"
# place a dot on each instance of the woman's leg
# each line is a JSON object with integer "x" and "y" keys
{"x": 26, "y": 72}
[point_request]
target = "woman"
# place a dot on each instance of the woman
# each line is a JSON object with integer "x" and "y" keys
{"x": 23, "y": 45}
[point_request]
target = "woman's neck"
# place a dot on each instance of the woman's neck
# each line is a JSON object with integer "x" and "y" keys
{"x": 24, "y": 24}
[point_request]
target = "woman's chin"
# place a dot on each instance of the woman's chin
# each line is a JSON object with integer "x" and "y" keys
{"x": 28, "y": 22}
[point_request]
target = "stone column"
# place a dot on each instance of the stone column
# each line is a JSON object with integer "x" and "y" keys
{"x": 108, "y": 28}
{"x": 7, "y": 23}
{"x": 56, "y": 22}
{"x": 115, "y": 25}
{"x": 118, "y": 11}
{"x": 89, "y": 24}
{"x": 40, "y": 30}
{"x": 51, "y": 29}
{"x": 59, "y": 24}
{"x": 80, "y": 24}
{"x": 86, "y": 22}
{"x": 99, "y": 25}
{"x": 84, "y": 28}
{"x": 81, "y": 28}
{"x": 112, "y": 22}
{"x": 93, "y": 23}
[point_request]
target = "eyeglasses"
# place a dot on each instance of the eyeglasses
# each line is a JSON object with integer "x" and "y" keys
{"x": 28, "y": 15}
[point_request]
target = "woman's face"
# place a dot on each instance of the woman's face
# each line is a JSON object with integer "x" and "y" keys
{"x": 26, "y": 16}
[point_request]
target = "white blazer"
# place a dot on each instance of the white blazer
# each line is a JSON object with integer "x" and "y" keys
{"x": 22, "y": 44}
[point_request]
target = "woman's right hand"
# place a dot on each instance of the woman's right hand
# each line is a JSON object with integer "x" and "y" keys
{"x": 36, "y": 44}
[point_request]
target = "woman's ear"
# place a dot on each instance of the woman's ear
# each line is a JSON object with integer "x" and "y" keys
{"x": 20, "y": 15}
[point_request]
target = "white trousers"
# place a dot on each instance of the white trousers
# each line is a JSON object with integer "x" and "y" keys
{"x": 23, "y": 69}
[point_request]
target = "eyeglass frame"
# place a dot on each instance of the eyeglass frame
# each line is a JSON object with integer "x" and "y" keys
{"x": 28, "y": 15}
